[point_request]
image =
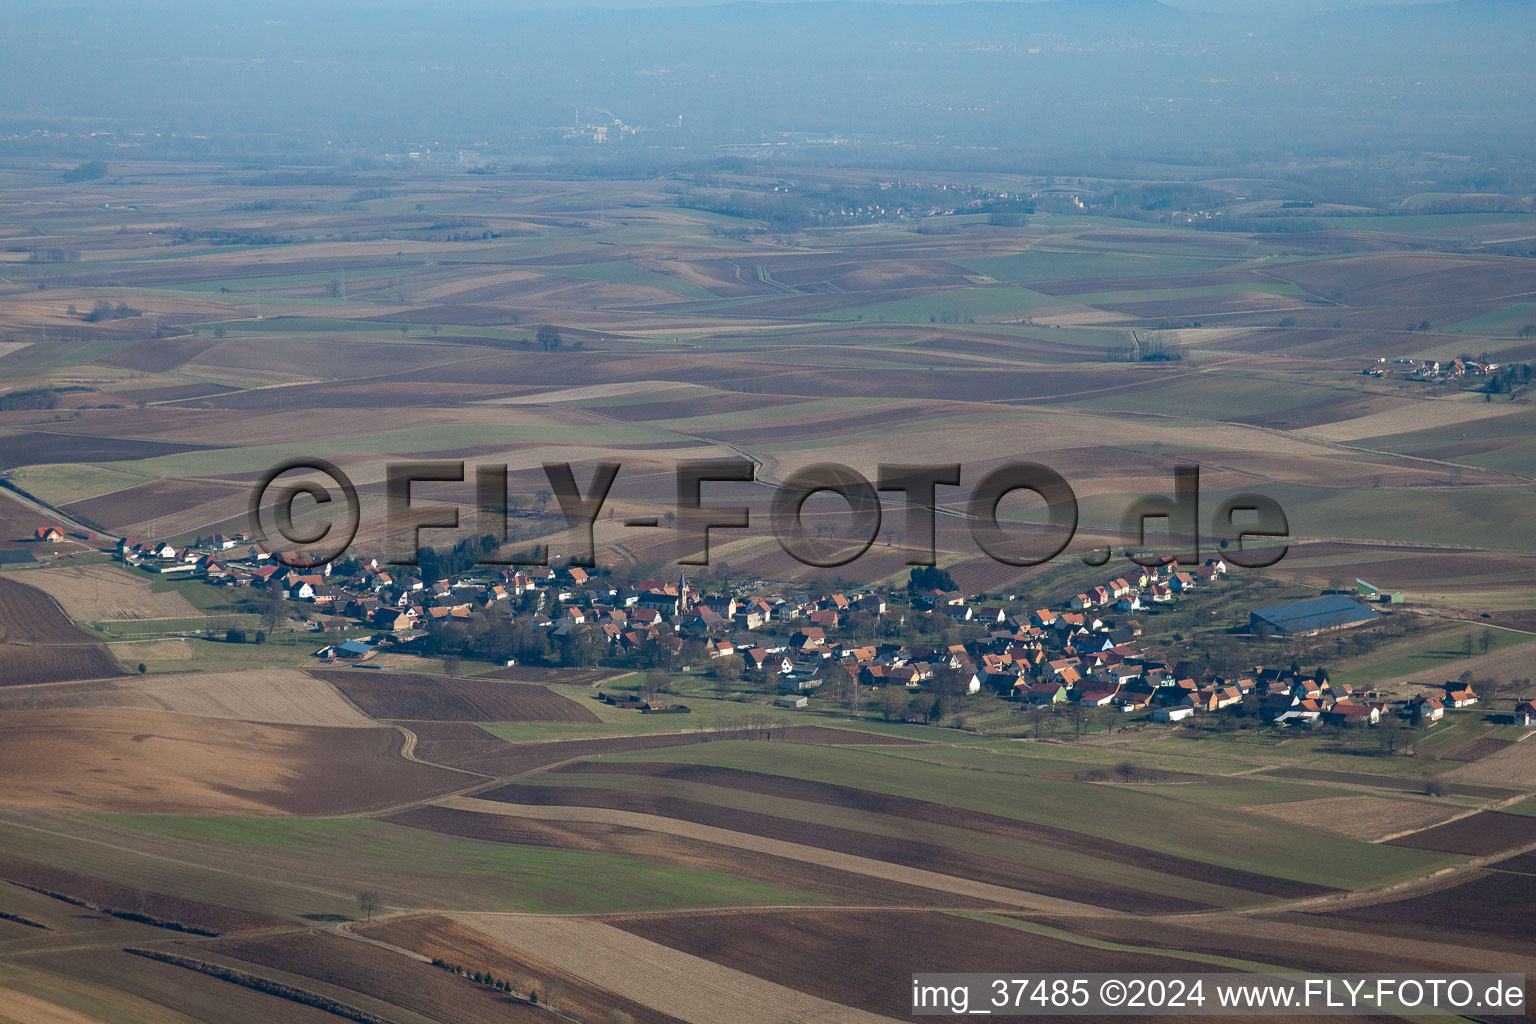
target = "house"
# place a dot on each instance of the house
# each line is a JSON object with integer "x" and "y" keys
{"x": 1525, "y": 713}
{"x": 1461, "y": 697}
{"x": 48, "y": 534}
{"x": 1096, "y": 698}
{"x": 1428, "y": 709}
{"x": 1173, "y": 714}
{"x": 1352, "y": 714}
{"x": 1040, "y": 693}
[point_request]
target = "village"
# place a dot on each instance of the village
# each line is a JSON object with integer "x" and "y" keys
{"x": 918, "y": 653}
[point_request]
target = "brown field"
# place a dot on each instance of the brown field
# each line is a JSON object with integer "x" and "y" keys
{"x": 1524, "y": 864}
{"x": 447, "y": 939}
{"x": 999, "y": 879}
{"x": 159, "y": 354}
{"x": 836, "y": 886}
{"x": 866, "y": 959}
{"x": 381, "y": 974}
{"x": 37, "y": 448}
{"x": 547, "y": 674}
{"x": 30, "y": 616}
{"x": 38, "y": 643}
{"x": 1403, "y": 278}
{"x": 24, "y": 1008}
{"x": 472, "y": 749}
{"x": 145, "y": 502}
{"x": 97, "y": 593}
{"x": 17, "y": 523}
{"x": 113, "y": 897}
{"x": 141, "y": 989}
{"x": 1480, "y": 834}
{"x": 1477, "y": 749}
{"x": 96, "y": 693}
{"x": 1367, "y": 818}
{"x": 132, "y": 651}
{"x": 687, "y": 987}
{"x": 169, "y": 393}
{"x": 275, "y": 695}
{"x": 1067, "y": 842}
{"x": 156, "y": 762}
{"x": 1513, "y": 766}
{"x": 1489, "y": 909}
{"x": 1409, "y": 417}
{"x": 28, "y": 664}
{"x": 1292, "y": 941}
{"x": 390, "y": 695}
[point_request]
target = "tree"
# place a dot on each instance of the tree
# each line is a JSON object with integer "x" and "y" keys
{"x": 893, "y": 706}
{"x": 1487, "y": 690}
{"x": 928, "y": 707}
{"x": 91, "y": 170}
{"x": 548, "y": 337}
{"x": 273, "y": 610}
{"x": 541, "y": 499}
{"x": 1487, "y": 640}
{"x": 1390, "y": 730}
{"x": 368, "y": 901}
{"x": 653, "y": 682}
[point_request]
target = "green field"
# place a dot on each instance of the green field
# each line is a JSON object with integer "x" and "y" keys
{"x": 1126, "y": 814}
{"x": 705, "y": 713}
{"x": 1507, "y": 320}
{"x": 961, "y": 302}
{"x": 1440, "y": 646}
{"x": 624, "y": 272}
{"x": 504, "y": 876}
{"x": 1052, "y": 265}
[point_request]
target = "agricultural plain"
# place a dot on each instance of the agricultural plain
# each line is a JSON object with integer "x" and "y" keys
{"x": 189, "y": 769}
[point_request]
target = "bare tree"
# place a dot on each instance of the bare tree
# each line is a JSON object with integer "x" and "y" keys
{"x": 368, "y": 901}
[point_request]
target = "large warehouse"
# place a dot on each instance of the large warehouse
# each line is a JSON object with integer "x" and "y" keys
{"x": 1320, "y": 613}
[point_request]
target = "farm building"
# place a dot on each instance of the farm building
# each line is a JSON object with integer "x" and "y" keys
{"x": 1173, "y": 714}
{"x": 1314, "y": 616}
{"x": 1371, "y": 592}
{"x": 793, "y": 702}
